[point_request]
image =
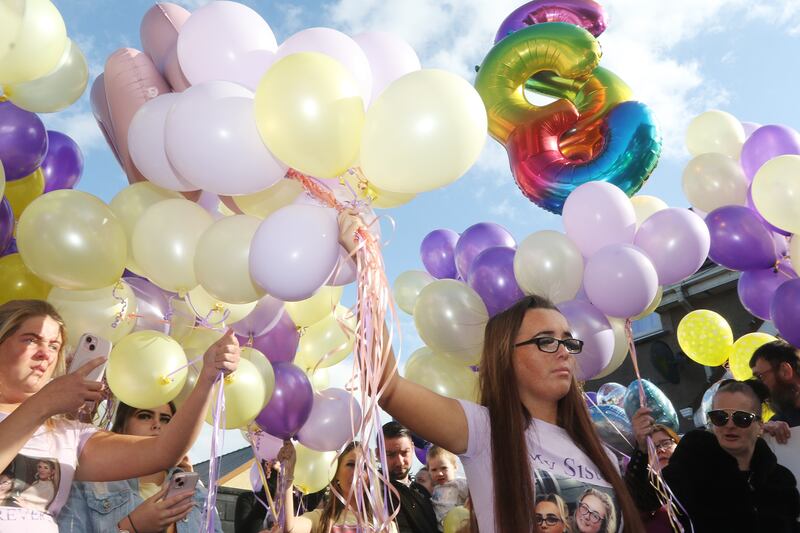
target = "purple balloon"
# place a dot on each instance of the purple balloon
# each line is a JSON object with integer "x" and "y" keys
{"x": 752, "y": 206}
{"x": 262, "y": 318}
{"x": 152, "y": 305}
{"x": 63, "y": 164}
{"x": 422, "y": 454}
{"x": 334, "y": 421}
{"x": 279, "y": 344}
{"x": 765, "y": 143}
{"x": 476, "y": 239}
{"x": 620, "y": 280}
{"x": 676, "y": 241}
{"x": 492, "y": 277}
{"x": 587, "y": 14}
{"x": 785, "y": 311}
{"x": 291, "y": 402}
{"x": 438, "y": 253}
{"x": 739, "y": 241}
{"x": 591, "y": 326}
{"x": 749, "y": 128}
{"x": 23, "y": 141}
{"x": 265, "y": 446}
{"x": 757, "y": 287}
{"x": 11, "y": 248}
{"x": 6, "y": 224}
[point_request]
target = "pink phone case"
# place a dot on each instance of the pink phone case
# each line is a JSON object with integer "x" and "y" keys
{"x": 90, "y": 346}
{"x": 182, "y": 483}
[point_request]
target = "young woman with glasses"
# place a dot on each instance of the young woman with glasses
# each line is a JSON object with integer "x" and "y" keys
{"x": 728, "y": 479}
{"x": 595, "y": 513}
{"x": 551, "y": 514}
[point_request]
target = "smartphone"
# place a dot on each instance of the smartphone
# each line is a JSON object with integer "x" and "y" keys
{"x": 90, "y": 346}
{"x": 182, "y": 483}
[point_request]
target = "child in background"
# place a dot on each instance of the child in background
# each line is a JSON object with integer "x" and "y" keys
{"x": 423, "y": 477}
{"x": 448, "y": 490}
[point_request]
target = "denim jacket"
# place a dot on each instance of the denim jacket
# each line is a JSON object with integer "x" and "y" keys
{"x": 97, "y": 507}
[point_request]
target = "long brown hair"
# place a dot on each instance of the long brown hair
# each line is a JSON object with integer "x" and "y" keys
{"x": 125, "y": 411}
{"x": 14, "y": 313}
{"x": 333, "y": 507}
{"x": 514, "y": 495}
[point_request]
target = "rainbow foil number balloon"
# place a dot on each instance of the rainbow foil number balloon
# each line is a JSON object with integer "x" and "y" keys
{"x": 592, "y": 132}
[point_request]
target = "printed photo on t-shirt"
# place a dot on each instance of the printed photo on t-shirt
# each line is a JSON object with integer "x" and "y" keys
{"x": 30, "y": 483}
{"x": 567, "y": 504}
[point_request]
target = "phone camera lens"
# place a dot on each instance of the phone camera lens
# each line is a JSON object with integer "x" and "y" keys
{"x": 180, "y": 483}
{"x": 91, "y": 347}
{"x": 88, "y": 339}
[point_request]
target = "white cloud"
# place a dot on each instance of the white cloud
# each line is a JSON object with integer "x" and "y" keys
{"x": 78, "y": 124}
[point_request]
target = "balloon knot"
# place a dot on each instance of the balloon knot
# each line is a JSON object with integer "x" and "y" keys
{"x": 165, "y": 380}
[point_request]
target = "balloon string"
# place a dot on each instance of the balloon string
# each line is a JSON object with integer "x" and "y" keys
{"x": 217, "y": 443}
{"x": 187, "y": 365}
{"x": 205, "y": 321}
{"x": 613, "y": 425}
{"x": 123, "y": 302}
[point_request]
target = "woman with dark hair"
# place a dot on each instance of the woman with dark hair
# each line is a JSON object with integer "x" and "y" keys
{"x": 728, "y": 479}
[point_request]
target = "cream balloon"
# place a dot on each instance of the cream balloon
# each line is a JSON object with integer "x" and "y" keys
{"x": 2, "y": 180}
{"x": 216, "y": 312}
{"x": 109, "y": 312}
{"x": 407, "y": 287}
{"x": 711, "y": 181}
{"x": 311, "y": 310}
{"x": 328, "y": 341}
{"x": 262, "y": 204}
{"x": 199, "y": 340}
{"x": 164, "y": 243}
{"x": 653, "y": 304}
{"x": 715, "y": 131}
{"x": 378, "y": 198}
{"x": 776, "y": 192}
{"x": 129, "y": 204}
{"x": 549, "y": 264}
{"x": 193, "y": 372}
{"x": 644, "y": 206}
{"x": 443, "y": 375}
{"x": 181, "y": 319}
{"x": 794, "y": 252}
{"x": 320, "y": 378}
{"x": 12, "y": 13}
{"x": 313, "y": 470}
{"x": 621, "y": 348}
{"x": 222, "y": 260}
{"x": 245, "y": 394}
{"x": 423, "y": 132}
{"x": 451, "y": 318}
{"x": 58, "y": 89}
{"x": 36, "y": 46}
{"x": 264, "y": 368}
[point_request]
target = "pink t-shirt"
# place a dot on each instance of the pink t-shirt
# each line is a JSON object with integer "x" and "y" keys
{"x": 36, "y": 484}
{"x": 557, "y": 467}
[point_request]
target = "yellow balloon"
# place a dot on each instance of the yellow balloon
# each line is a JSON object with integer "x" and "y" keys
{"x": 58, "y": 89}
{"x": 199, "y": 340}
{"x": 37, "y": 45}
{"x": 456, "y": 519}
{"x": 743, "y": 350}
{"x": 263, "y": 203}
{"x": 193, "y": 372}
{"x": 245, "y": 393}
{"x": 423, "y": 132}
{"x": 164, "y": 243}
{"x": 320, "y": 378}
{"x": 109, "y": 312}
{"x": 129, "y": 204}
{"x": 378, "y": 198}
{"x": 11, "y": 15}
{"x": 138, "y": 369}
{"x": 310, "y": 114}
{"x": 326, "y": 343}
{"x": 214, "y": 311}
{"x": 72, "y": 240}
{"x": 264, "y": 368}
{"x": 311, "y": 310}
{"x": 621, "y": 347}
{"x": 222, "y": 260}
{"x": 653, "y": 305}
{"x": 776, "y": 192}
{"x": 443, "y": 375}
{"x": 766, "y": 412}
{"x": 313, "y": 470}
{"x": 715, "y": 132}
{"x": 706, "y": 337}
{"x": 645, "y": 206}
{"x": 2, "y": 180}
{"x": 19, "y": 283}
{"x": 794, "y": 252}
{"x": 407, "y": 287}
{"x": 22, "y": 192}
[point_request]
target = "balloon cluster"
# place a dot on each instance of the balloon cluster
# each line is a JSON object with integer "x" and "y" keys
{"x": 747, "y": 178}
{"x": 592, "y": 132}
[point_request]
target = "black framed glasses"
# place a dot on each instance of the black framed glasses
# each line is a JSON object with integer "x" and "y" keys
{"x": 664, "y": 445}
{"x": 741, "y": 419}
{"x": 551, "y": 344}
{"x": 548, "y": 519}
{"x": 594, "y": 516}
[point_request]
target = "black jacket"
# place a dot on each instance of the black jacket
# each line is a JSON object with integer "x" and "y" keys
{"x": 707, "y": 482}
{"x": 416, "y": 510}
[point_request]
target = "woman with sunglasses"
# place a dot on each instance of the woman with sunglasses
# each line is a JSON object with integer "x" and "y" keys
{"x": 728, "y": 479}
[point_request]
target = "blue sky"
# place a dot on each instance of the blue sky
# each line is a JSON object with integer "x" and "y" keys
{"x": 680, "y": 57}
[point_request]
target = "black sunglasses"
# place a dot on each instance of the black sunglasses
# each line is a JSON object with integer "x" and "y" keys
{"x": 551, "y": 344}
{"x": 741, "y": 419}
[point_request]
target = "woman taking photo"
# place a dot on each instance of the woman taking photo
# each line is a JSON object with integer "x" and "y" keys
{"x": 32, "y": 427}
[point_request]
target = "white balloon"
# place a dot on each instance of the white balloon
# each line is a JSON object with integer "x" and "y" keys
{"x": 549, "y": 264}
{"x": 407, "y": 287}
{"x": 389, "y": 56}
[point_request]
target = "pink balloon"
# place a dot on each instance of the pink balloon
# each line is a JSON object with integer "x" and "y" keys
{"x": 172, "y": 71}
{"x": 334, "y": 421}
{"x": 130, "y": 80}
{"x": 591, "y": 326}
{"x": 389, "y": 56}
{"x": 102, "y": 114}
{"x": 676, "y": 241}
{"x": 597, "y": 214}
{"x": 620, "y": 280}
{"x": 294, "y": 251}
{"x": 159, "y": 31}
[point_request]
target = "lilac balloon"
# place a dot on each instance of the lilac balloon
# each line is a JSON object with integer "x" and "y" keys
{"x": 291, "y": 402}
{"x": 23, "y": 141}
{"x": 765, "y": 143}
{"x": 6, "y": 224}
{"x": 676, "y": 241}
{"x": 345, "y": 271}
{"x": 261, "y": 319}
{"x": 752, "y": 206}
{"x": 591, "y": 326}
{"x": 492, "y": 277}
{"x": 598, "y": 214}
{"x": 476, "y": 239}
{"x": 334, "y": 421}
{"x": 152, "y": 305}
{"x": 591, "y": 398}
{"x": 586, "y": 14}
{"x": 749, "y": 128}
{"x": 739, "y": 241}
{"x": 620, "y": 280}
{"x": 63, "y": 164}
{"x": 438, "y": 250}
{"x": 757, "y": 287}
{"x": 785, "y": 311}
{"x": 265, "y": 446}
{"x": 279, "y": 344}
